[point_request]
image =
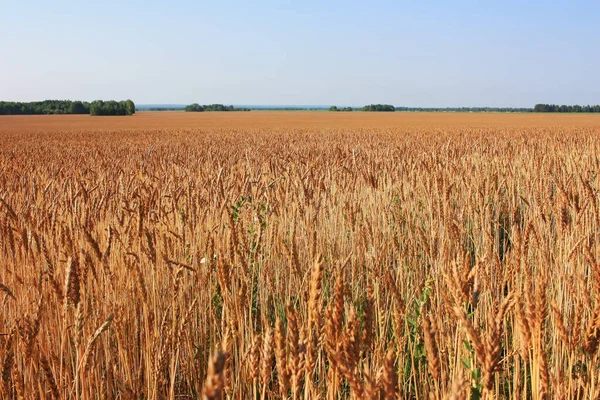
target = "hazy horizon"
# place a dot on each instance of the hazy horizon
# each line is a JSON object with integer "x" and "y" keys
{"x": 283, "y": 53}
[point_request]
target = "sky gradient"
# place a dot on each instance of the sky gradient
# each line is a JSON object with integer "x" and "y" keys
{"x": 435, "y": 54}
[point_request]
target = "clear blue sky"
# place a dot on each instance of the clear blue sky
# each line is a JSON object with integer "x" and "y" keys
{"x": 430, "y": 53}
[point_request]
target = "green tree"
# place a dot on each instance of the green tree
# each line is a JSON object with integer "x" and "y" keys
{"x": 130, "y": 107}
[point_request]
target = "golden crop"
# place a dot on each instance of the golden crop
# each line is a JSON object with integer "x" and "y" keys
{"x": 299, "y": 255}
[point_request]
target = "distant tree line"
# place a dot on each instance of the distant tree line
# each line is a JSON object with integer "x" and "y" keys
{"x": 212, "y": 107}
{"x": 334, "y": 108}
{"x": 160, "y": 109}
{"x": 275, "y": 108}
{"x": 44, "y": 107}
{"x": 287, "y": 108}
{"x": 97, "y": 107}
{"x": 379, "y": 107}
{"x": 555, "y": 108}
{"x": 465, "y": 109}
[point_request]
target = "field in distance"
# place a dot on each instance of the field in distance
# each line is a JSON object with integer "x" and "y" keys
{"x": 282, "y": 119}
{"x": 300, "y": 255}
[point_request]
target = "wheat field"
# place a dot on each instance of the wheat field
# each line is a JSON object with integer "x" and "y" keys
{"x": 300, "y": 255}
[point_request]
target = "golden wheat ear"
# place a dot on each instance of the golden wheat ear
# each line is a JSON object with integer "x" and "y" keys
{"x": 214, "y": 383}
